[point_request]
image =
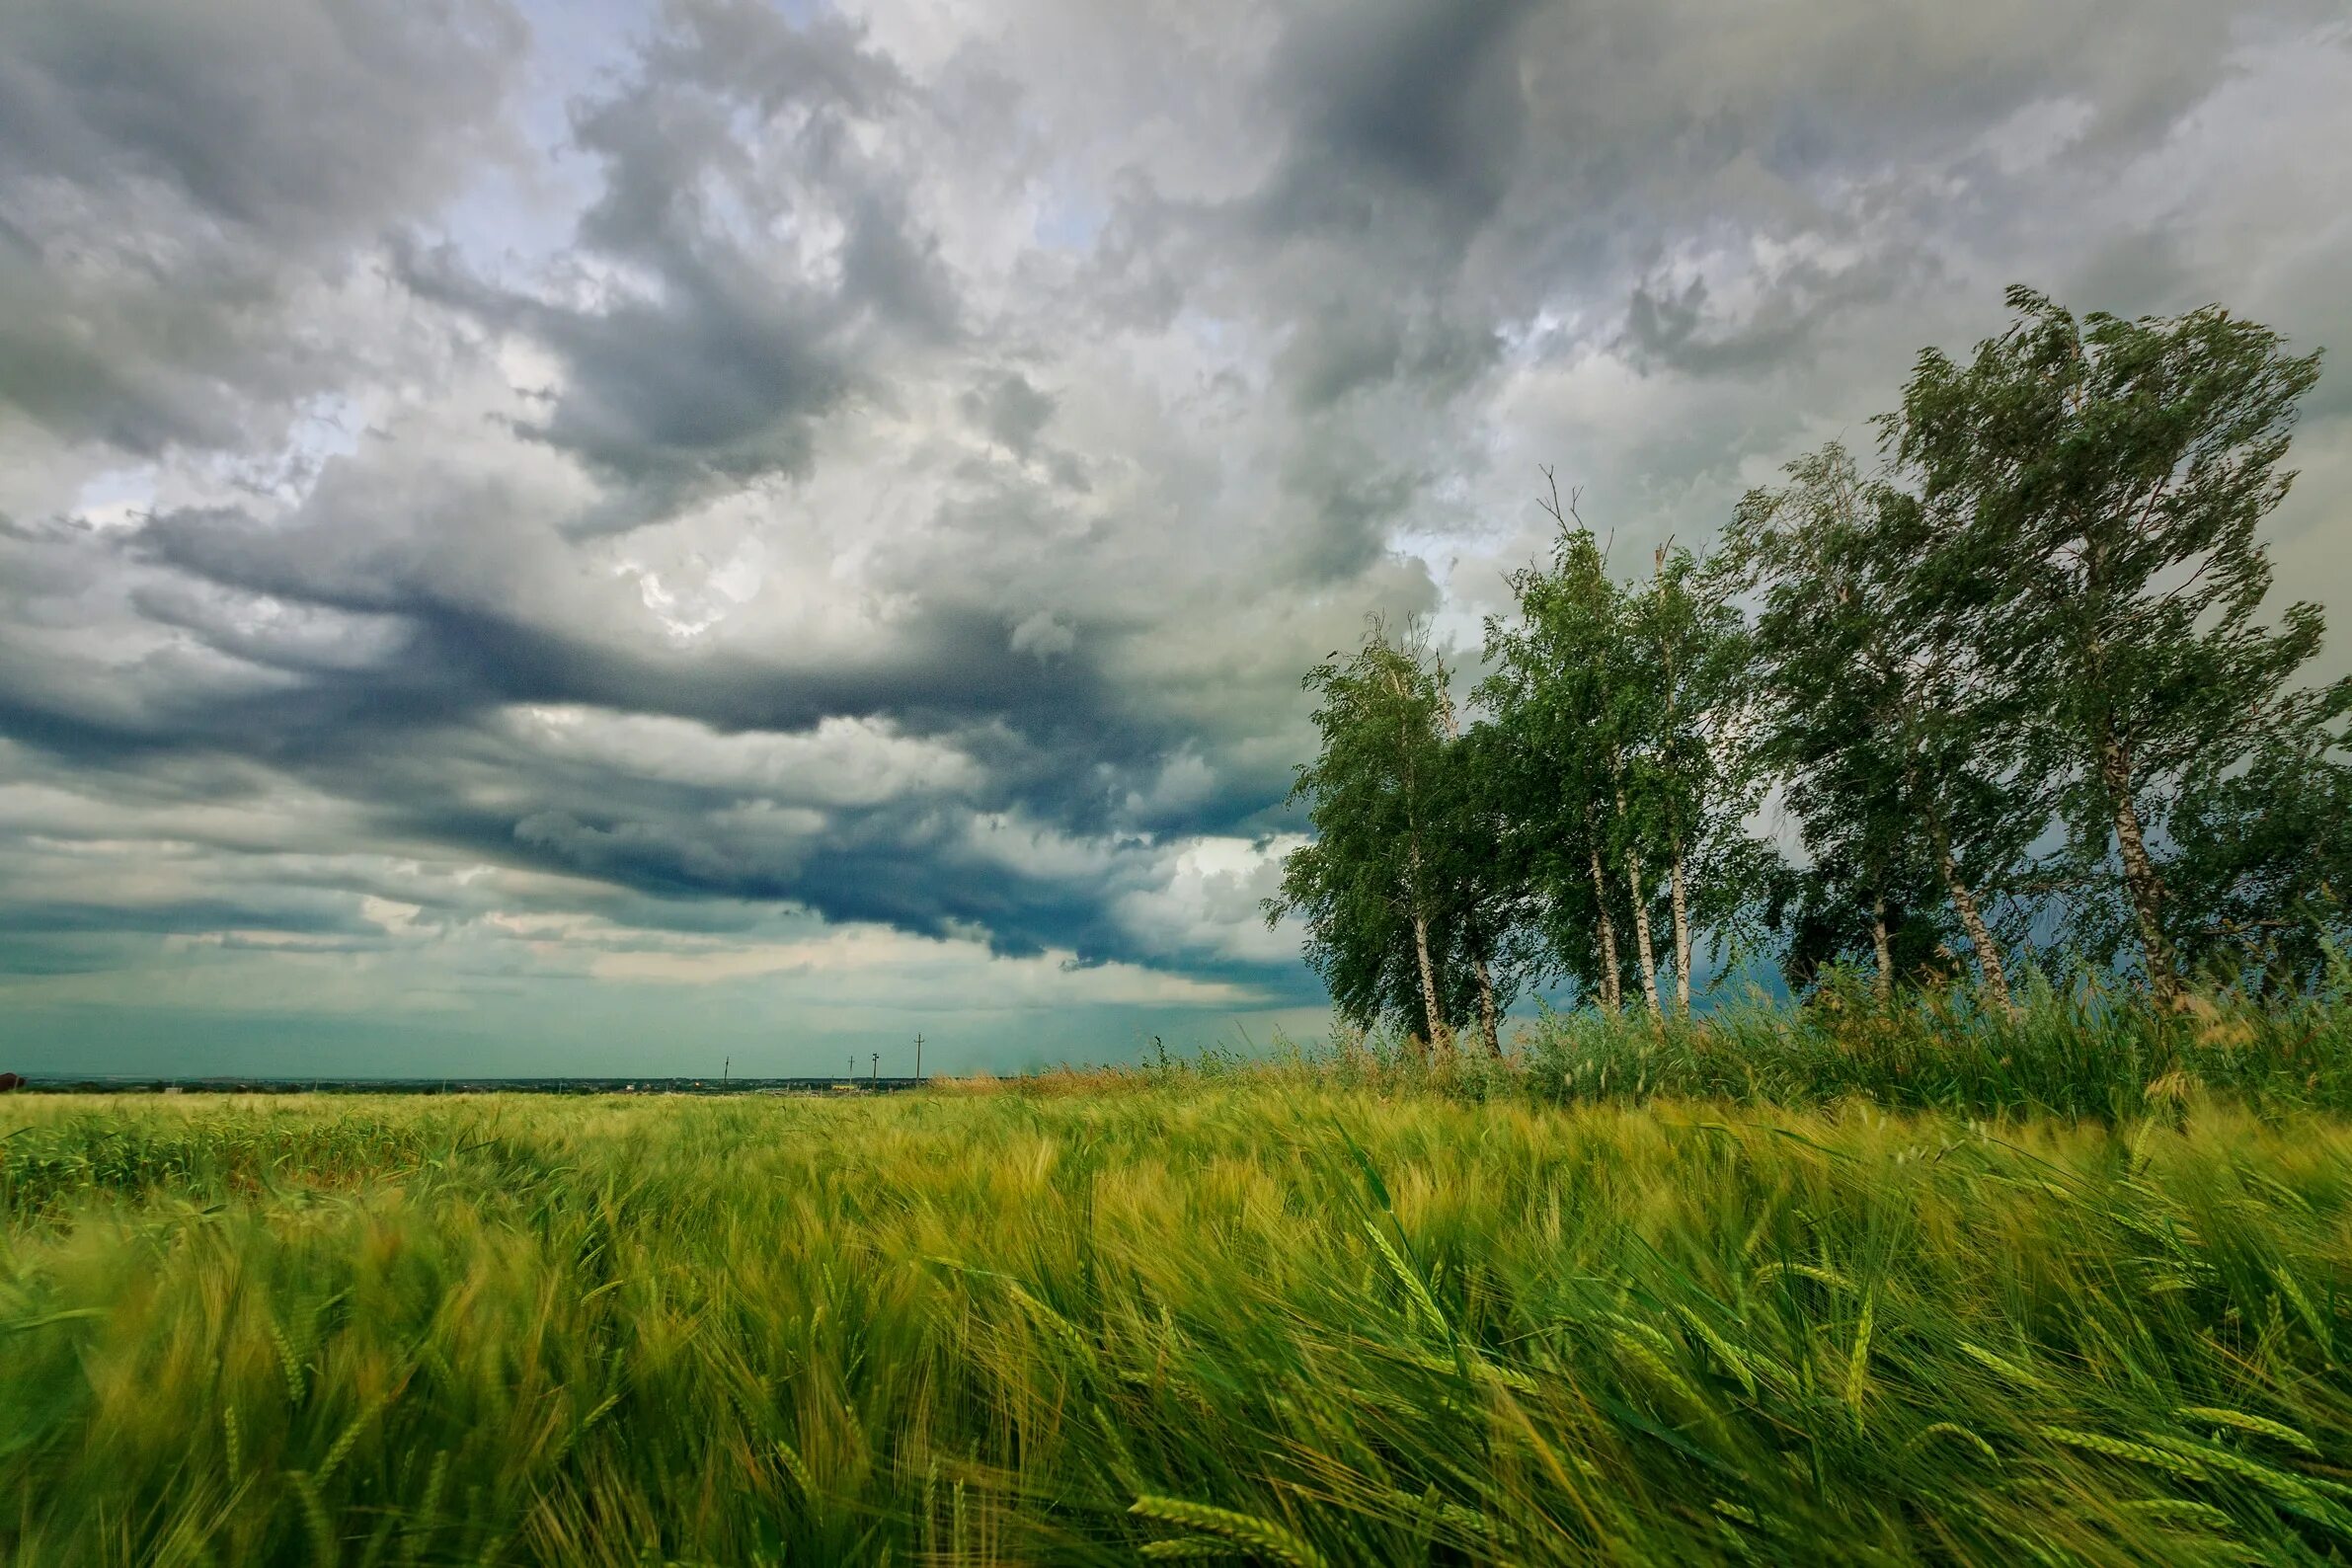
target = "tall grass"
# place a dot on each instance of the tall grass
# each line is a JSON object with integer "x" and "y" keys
{"x": 2079, "y": 1054}
{"x": 2076, "y": 1054}
{"x": 1280, "y": 1322}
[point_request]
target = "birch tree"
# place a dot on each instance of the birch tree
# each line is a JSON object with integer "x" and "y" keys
{"x": 1686, "y": 655}
{"x": 1554, "y": 670}
{"x": 1897, "y": 744}
{"x": 1577, "y": 679}
{"x": 2261, "y": 883}
{"x": 2112, "y": 476}
{"x": 1398, "y": 898}
{"x": 1493, "y": 907}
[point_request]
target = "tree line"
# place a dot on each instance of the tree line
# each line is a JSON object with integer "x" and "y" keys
{"x": 1998, "y": 695}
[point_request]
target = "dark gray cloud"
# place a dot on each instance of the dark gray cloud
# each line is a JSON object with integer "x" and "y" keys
{"x": 747, "y": 265}
{"x": 1673, "y": 327}
{"x": 1402, "y": 114}
{"x": 1011, "y": 411}
{"x": 694, "y": 495}
{"x": 185, "y": 193}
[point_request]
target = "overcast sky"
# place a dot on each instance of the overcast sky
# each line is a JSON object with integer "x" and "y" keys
{"x": 601, "y": 537}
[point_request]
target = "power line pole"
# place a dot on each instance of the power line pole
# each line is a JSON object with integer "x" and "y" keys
{"x": 875, "y": 1078}
{"x": 918, "y": 1058}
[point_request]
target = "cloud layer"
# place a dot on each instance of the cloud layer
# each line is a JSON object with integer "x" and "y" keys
{"x": 512, "y": 520}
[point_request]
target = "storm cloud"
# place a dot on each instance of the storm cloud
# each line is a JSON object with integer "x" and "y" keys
{"x": 660, "y": 524}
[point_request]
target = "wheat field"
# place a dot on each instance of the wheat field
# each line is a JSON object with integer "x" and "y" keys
{"x": 1266, "y": 1319}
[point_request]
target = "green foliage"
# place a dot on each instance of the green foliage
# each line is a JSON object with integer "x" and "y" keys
{"x": 2015, "y": 689}
{"x": 1558, "y": 693}
{"x": 1830, "y": 715}
{"x": 1896, "y": 741}
{"x": 1613, "y": 740}
{"x": 1263, "y": 1318}
{"x": 1405, "y": 922}
{"x": 2104, "y": 481}
{"x": 2263, "y": 867}
{"x": 1688, "y": 768}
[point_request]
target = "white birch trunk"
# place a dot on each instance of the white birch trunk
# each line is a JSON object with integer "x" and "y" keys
{"x": 1980, "y": 935}
{"x": 1882, "y": 984}
{"x": 1682, "y": 911}
{"x": 1488, "y": 1025}
{"x": 1642, "y": 951}
{"x": 1428, "y": 980}
{"x": 1611, "y": 997}
{"x": 2139, "y": 876}
{"x": 1641, "y": 940}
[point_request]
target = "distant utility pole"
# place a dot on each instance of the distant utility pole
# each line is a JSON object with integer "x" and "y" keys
{"x": 876, "y": 1076}
{"x": 728, "y": 1072}
{"x": 918, "y": 1058}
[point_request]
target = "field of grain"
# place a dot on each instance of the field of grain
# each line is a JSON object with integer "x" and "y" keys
{"x": 1266, "y": 1320}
